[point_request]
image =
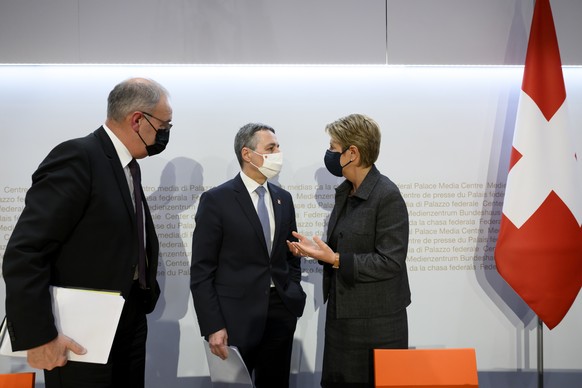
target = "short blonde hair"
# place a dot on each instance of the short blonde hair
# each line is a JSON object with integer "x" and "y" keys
{"x": 358, "y": 130}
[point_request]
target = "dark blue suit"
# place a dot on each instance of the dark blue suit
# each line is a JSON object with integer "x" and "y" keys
{"x": 231, "y": 269}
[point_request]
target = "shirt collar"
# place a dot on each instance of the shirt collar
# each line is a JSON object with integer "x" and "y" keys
{"x": 366, "y": 186}
{"x": 122, "y": 151}
{"x": 251, "y": 184}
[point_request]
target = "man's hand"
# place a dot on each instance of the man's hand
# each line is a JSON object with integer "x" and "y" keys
{"x": 53, "y": 354}
{"x": 218, "y": 343}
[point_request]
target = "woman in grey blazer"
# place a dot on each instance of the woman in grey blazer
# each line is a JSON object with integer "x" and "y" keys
{"x": 365, "y": 280}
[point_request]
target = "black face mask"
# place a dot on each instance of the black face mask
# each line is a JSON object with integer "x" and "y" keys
{"x": 332, "y": 162}
{"x": 162, "y": 139}
{"x": 160, "y": 143}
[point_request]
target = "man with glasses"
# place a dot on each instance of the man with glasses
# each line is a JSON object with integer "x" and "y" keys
{"x": 83, "y": 227}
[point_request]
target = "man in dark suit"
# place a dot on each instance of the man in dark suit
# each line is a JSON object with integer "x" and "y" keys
{"x": 244, "y": 281}
{"x": 79, "y": 229}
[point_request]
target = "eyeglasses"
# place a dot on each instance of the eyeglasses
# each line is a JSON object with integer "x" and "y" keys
{"x": 167, "y": 124}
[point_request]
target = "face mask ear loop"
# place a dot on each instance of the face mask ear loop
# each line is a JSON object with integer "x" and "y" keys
{"x": 343, "y": 152}
{"x": 251, "y": 162}
{"x": 143, "y": 141}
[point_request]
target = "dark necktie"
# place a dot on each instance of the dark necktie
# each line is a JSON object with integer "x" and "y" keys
{"x": 264, "y": 216}
{"x": 136, "y": 177}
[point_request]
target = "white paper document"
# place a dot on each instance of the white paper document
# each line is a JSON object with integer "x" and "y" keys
{"x": 231, "y": 372}
{"x": 89, "y": 317}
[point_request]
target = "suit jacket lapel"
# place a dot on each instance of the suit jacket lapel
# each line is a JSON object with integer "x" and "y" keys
{"x": 277, "y": 213}
{"x": 341, "y": 196}
{"x": 118, "y": 172}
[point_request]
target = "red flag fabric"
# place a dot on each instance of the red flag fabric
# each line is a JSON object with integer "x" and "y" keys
{"x": 539, "y": 247}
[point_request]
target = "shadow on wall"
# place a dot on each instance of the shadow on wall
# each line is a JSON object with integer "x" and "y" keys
{"x": 506, "y": 299}
{"x": 490, "y": 278}
{"x": 173, "y": 204}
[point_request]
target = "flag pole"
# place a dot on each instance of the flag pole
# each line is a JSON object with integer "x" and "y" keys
{"x": 540, "y": 353}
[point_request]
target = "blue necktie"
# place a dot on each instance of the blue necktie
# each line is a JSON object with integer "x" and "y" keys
{"x": 264, "y": 216}
{"x": 141, "y": 264}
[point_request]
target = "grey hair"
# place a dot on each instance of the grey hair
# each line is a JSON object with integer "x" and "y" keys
{"x": 245, "y": 137}
{"x": 134, "y": 94}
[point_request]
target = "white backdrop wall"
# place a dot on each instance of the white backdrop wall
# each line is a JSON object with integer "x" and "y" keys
{"x": 447, "y": 133}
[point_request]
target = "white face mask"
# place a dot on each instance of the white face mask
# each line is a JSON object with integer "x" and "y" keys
{"x": 272, "y": 164}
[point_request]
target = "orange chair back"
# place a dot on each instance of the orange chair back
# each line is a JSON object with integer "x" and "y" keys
{"x": 17, "y": 380}
{"x": 426, "y": 368}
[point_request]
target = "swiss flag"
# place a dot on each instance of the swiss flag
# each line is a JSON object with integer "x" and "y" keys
{"x": 539, "y": 247}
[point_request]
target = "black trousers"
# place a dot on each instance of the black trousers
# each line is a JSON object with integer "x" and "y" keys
{"x": 126, "y": 365}
{"x": 271, "y": 359}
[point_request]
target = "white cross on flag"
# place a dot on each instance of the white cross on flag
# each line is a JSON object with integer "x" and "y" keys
{"x": 539, "y": 247}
